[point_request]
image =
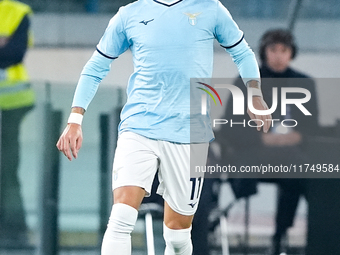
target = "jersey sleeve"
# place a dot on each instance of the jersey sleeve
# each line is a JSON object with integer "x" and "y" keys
{"x": 114, "y": 42}
{"x": 95, "y": 70}
{"x": 230, "y": 37}
{"x": 245, "y": 60}
{"x": 227, "y": 32}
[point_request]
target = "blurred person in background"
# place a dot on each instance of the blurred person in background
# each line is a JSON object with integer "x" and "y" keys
{"x": 16, "y": 99}
{"x": 280, "y": 145}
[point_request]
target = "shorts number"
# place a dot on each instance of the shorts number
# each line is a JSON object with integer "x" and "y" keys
{"x": 193, "y": 187}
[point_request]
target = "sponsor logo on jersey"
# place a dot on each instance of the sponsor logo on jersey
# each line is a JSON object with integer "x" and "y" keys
{"x": 146, "y": 22}
{"x": 192, "y": 17}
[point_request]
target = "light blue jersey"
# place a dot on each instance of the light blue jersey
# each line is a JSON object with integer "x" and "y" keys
{"x": 171, "y": 42}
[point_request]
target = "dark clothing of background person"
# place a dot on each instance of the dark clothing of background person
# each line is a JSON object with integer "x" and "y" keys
{"x": 12, "y": 214}
{"x": 249, "y": 149}
{"x": 201, "y": 224}
{"x": 13, "y": 226}
{"x": 14, "y": 51}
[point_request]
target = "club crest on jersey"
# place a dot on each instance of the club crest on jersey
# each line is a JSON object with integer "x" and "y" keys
{"x": 192, "y": 17}
{"x": 115, "y": 174}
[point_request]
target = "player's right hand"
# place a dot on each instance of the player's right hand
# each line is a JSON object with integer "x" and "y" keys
{"x": 260, "y": 104}
{"x": 70, "y": 140}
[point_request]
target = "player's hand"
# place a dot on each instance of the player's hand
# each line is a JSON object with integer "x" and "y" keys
{"x": 70, "y": 140}
{"x": 291, "y": 139}
{"x": 260, "y": 104}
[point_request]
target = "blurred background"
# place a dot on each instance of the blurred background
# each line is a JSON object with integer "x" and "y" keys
{"x": 67, "y": 203}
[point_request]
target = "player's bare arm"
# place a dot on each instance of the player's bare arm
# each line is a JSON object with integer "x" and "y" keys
{"x": 71, "y": 139}
{"x": 259, "y": 104}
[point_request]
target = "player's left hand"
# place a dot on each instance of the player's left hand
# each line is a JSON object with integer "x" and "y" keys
{"x": 260, "y": 104}
{"x": 291, "y": 139}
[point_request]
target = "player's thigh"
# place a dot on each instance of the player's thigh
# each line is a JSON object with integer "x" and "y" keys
{"x": 180, "y": 187}
{"x": 135, "y": 165}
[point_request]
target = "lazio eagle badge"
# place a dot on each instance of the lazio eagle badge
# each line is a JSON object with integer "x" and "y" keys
{"x": 192, "y": 17}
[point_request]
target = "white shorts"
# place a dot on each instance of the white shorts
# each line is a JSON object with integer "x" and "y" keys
{"x": 137, "y": 159}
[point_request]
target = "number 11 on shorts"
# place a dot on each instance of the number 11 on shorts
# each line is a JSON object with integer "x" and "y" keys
{"x": 193, "y": 187}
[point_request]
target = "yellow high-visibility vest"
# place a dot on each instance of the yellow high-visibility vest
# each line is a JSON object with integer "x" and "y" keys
{"x": 15, "y": 90}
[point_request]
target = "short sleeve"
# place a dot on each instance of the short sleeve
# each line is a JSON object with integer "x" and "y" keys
{"x": 114, "y": 41}
{"x": 227, "y": 32}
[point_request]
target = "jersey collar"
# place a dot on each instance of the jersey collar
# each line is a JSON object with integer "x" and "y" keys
{"x": 168, "y": 3}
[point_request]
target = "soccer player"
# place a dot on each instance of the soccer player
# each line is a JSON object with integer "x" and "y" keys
{"x": 171, "y": 42}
